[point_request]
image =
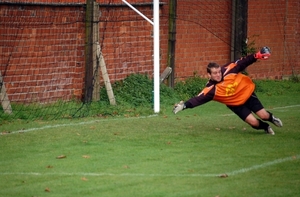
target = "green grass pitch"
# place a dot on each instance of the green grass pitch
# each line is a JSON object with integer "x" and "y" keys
{"x": 205, "y": 151}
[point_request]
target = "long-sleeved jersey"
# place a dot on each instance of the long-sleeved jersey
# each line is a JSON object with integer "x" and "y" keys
{"x": 234, "y": 89}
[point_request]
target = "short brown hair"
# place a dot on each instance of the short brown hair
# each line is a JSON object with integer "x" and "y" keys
{"x": 211, "y": 65}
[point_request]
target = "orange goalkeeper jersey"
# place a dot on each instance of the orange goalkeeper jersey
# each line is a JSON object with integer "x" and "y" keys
{"x": 234, "y": 89}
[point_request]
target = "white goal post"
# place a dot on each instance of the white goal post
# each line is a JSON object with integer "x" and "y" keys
{"x": 156, "y": 76}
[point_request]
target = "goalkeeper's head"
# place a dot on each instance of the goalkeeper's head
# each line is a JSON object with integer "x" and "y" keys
{"x": 214, "y": 71}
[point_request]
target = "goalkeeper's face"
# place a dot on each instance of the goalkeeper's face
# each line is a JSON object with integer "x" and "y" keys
{"x": 215, "y": 74}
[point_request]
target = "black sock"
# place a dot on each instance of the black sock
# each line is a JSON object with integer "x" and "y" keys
{"x": 262, "y": 125}
{"x": 271, "y": 117}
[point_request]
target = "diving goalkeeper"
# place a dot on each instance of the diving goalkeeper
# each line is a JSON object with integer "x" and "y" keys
{"x": 229, "y": 86}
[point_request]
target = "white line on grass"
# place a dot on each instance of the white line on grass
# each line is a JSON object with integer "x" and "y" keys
{"x": 277, "y": 161}
{"x": 235, "y": 172}
{"x": 74, "y": 124}
{"x": 100, "y": 120}
{"x": 275, "y": 108}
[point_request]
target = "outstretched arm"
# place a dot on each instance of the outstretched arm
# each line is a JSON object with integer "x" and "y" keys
{"x": 243, "y": 63}
{"x": 206, "y": 95}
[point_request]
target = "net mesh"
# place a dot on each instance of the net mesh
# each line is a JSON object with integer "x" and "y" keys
{"x": 43, "y": 48}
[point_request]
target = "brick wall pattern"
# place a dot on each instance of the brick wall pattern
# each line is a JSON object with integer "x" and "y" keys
{"x": 42, "y": 46}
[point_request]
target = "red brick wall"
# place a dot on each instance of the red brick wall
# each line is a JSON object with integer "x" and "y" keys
{"x": 42, "y": 47}
{"x": 127, "y": 38}
{"x": 277, "y": 26}
{"x": 78, "y": 1}
{"x": 121, "y": 2}
{"x": 126, "y": 41}
{"x": 202, "y": 35}
{"x": 46, "y": 1}
{"x": 204, "y": 28}
{"x": 42, "y": 52}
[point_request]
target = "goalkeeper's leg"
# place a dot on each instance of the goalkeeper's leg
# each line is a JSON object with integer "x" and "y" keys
{"x": 246, "y": 115}
{"x": 268, "y": 116}
{"x": 254, "y": 104}
{"x": 259, "y": 124}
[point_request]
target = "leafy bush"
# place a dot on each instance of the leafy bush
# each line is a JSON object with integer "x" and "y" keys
{"x": 190, "y": 87}
{"x": 295, "y": 78}
{"x": 134, "y": 96}
{"x": 276, "y": 87}
{"x": 137, "y": 90}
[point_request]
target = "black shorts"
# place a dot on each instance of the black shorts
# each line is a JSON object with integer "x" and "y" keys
{"x": 251, "y": 105}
